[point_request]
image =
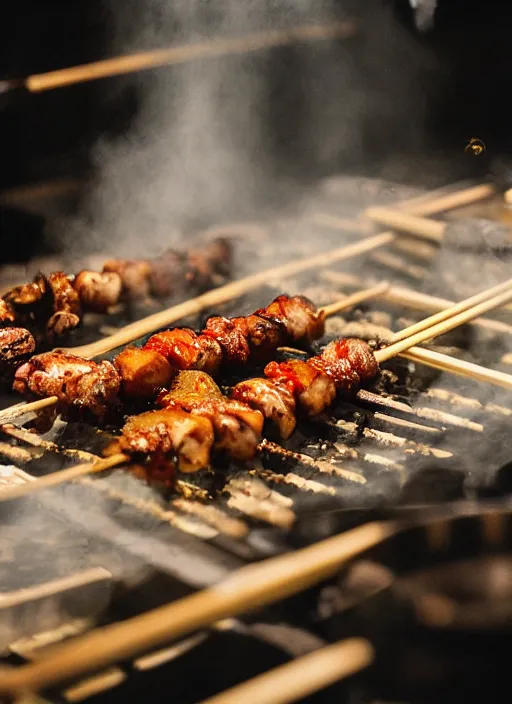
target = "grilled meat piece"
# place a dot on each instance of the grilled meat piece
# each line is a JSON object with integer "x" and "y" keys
{"x": 272, "y": 399}
{"x": 170, "y": 433}
{"x": 238, "y": 340}
{"x": 98, "y": 291}
{"x": 312, "y": 388}
{"x": 7, "y": 313}
{"x": 167, "y": 274}
{"x": 134, "y": 276}
{"x": 237, "y": 426}
{"x": 342, "y": 366}
{"x": 78, "y": 383}
{"x": 231, "y": 334}
{"x": 27, "y": 295}
{"x": 16, "y": 344}
{"x": 184, "y": 349}
{"x": 143, "y": 372}
{"x": 66, "y": 306}
{"x": 297, "y": 315}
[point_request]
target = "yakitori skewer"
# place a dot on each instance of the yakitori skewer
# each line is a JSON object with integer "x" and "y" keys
{"x": 177, "y": 55}
{"x": 109, "y": 377}
{"x": 249, "y": 588}
{"x": 312, "y": 384}
{"x": 302, "y": 677}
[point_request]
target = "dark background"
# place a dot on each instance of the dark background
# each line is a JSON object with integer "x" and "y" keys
{"x": 49, "y": 135}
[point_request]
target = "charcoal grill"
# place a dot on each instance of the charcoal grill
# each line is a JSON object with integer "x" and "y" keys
{"x": 423, "y": 450}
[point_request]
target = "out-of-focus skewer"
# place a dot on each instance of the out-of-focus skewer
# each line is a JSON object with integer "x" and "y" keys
{"x": 179, "y": 54}
{"x": 249, "y": 588}
{"x": 301, "y": 677}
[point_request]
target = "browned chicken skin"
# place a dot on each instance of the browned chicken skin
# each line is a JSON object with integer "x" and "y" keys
{"x": 66, "y": 306}
{"x": 237, "y": 426}
{"x": 7, "y": 313}
{"x": 167, "y": 433}
{"x": 77, "y": 382}
{"x": 16, "y": 344}
{"x": 274, "y": 401}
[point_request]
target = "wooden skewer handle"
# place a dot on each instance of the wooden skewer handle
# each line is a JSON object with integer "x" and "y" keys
{"x": 306, "y": 675}
{"x": 452, "y": 310}
{"x": 187, "y": 52}
{"x": 441, "y": 328}
{"x": 406, "y": 222}
{"x": 249, "y": 588}
{"x": 355, "y": 298}
{"x": 457, "y": 366}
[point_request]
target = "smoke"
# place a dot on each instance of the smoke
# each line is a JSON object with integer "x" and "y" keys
{"x": 226, "y": 138}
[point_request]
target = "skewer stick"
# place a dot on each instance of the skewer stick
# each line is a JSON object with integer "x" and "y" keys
{"x": 458, "y": 366}
{"x": 64, "y": 475}
{"x": 452, "y": 310}
{"x": 301, "y": 677}
{"x": 407, "y": 222}
{"x": 186, "y": 52}
{"x": 355, "y": 298}
{"x": 220, "y": 295}
{"x": 445, "y": 326}
{"x": 249, "y": 588}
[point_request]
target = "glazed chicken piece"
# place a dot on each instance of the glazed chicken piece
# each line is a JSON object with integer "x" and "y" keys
{"x": 272, "y": 399}
{"x": 312, "y": 388}
{"x": 66, "y": 306}
{"x": 16, "y": 344}
{"x": 144, "y": 373}
{"x": 184, "y": 349}
{"x": 237, "y": 426}
{"x": 27, "y": 295}
{"x": 169, "y": 435}
{"x": 231, "y": 334}
{"x": 297, "y": 315}
{"x": 98, "y": 291}
{"x": 77, "y": 383}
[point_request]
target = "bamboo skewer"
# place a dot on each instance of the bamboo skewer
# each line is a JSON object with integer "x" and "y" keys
{"x": 458, "y": 366}
{"x": 181, "y": 54}
{"x": 407, "y": 222}
{"x": 62, "y": 476}
{"x": 250, "y": 588}
{"x": 452, "y": 310}
{"x": 443, "y": 327}
{"x": 301, "y": 677}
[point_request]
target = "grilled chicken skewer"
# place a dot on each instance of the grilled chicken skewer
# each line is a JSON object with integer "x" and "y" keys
{"x": 52, "y": 305}
{"x": 143, "y": 372}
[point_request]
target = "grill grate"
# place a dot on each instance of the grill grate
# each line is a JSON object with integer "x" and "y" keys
{"x": 403, "y": 442}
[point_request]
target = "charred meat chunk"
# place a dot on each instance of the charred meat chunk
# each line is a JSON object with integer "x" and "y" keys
{"x": 16, "y": 344}
{"x": 135, "y": 276}
{"x": 77, "y": 383}
{"x": 297, "y": 315}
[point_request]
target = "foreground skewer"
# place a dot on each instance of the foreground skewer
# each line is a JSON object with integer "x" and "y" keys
{"x": 249, "y": 588}
{"x": 301, "y": 677}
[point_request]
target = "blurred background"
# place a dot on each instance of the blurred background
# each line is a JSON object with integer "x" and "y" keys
{"x": 204, "y": 141}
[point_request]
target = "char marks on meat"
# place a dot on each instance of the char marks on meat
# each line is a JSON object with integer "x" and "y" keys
{"x": 76, "y": 382}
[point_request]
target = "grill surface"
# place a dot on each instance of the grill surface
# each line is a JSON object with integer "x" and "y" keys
{"x": 106, "y": 547}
